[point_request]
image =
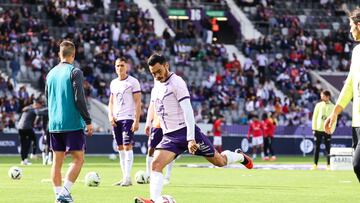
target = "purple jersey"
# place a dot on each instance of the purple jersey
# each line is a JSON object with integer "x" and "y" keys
{"x": 123, "y": 100}
{"x": 166, "y": 97}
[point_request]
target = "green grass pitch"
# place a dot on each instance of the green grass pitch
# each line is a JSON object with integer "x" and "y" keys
{"x": 188, "y": 185}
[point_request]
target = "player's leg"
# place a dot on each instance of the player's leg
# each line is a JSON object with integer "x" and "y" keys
{"x": 56, "y": 171}
{"x": 24, "y": 146}
{"x": 317, "y": 139}
{"x": 58, "y": 146}
{"x": 33, "y": 144}
{"x": 128, "y": 138}
{"x": 161, "y": 159}
{"x": 254, "y": 147}
{"x": 227, "y": 157}
{"x": 171, "y": 145}
{"x": 266, "y": 147}
{"x": 271, "y": 149}
{"x": 217, "y": 143}
{"x": 154, "y": 139}
{"x": 117, "y": 133}
{"x": 327, "y": 139}
{"x": 356, "y": 160}
{"x": 75, "y": 144}
{"x": 149, "y": 158}
{"x": 261, "y": 146}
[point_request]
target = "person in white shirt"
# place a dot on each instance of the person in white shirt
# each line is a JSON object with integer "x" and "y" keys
{"x": 171, "y": 100}
{"x": 124, "y": 115}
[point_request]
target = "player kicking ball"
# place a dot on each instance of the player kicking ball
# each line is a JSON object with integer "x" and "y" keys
{"x": 155, "y": 135}
{"x": 171, "y": 100}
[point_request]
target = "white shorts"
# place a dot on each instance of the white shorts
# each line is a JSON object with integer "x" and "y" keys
{"x": 217, "y": 141}
{"x": 257, "y": 140}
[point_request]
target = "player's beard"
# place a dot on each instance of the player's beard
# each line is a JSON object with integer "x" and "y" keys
{"x": 355, "y": 34}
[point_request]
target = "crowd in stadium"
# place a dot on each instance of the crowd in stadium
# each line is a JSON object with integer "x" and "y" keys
{"x": 235, "y": 89}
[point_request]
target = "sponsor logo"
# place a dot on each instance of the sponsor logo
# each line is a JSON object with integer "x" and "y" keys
{"x": 7, "y": 143}
{"x": 306, "y": 146}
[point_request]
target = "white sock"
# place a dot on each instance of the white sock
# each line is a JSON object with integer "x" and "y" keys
{"x": 122, "y": 162}
{"x": 148, "y": 164}
{"x": 44, "y": 158}
{"x": 50, "y": 157}
{"x": 156, "y": 184}
{"x": 129, "y": 159}
{"x": 67, "y": 187}
{"x": 168, "y": 170}
{"x": 57, "y": 190}
{"x": 232, "y": 157}
{"x": 262, "y": 154}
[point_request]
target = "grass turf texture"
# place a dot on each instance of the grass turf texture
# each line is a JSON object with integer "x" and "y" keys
{"x": 188, "y": 185}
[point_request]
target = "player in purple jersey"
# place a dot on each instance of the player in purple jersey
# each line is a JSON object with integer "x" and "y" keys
{"x": 124, "y": 116}
{"x": 171, "y": 100}
{"x": 155, "y": 133}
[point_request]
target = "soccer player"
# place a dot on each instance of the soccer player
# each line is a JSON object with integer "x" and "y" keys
{"x": 124, "y": 115}
{"x": 217, "y": 133}
{"x": 172, "y": 104}
{"x": 26, "y": 132}
{"x": 46, "y": 152}
{"x": 321, "y": 112}
{"x": 256, "y": 130}
{"x": 155, "y": 136}
{"x": 67, "y": 118}
{"x": 351, "y": 90}
{"x": 269, "y": 126}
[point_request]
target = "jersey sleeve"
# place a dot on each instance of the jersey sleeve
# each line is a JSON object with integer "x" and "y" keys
{"x": 136, "y": 87}
{"x": 181, "y": 91}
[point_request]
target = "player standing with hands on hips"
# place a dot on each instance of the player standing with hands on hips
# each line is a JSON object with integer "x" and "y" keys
{"x": 67, "y": 118}
{"x": 171, "y": 100}
{"x": 351, "y": 90}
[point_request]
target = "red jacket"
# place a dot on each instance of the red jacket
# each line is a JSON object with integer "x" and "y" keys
{"x": 269, "y": 127}
{"x": 255, "y": 129}
{"x": 216, "y": 126}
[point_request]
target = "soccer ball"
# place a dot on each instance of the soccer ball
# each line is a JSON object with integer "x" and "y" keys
{"x": 112, "y": 157}
{"x": 15, "y": 173}
{"x": 165, "y": 199}
{"x": 142, "y": 177}
{"x": 92, "y": 179}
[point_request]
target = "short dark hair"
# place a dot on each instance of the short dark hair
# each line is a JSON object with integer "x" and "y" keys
{"x": 67, "y": 48}
{"x": 355, "y": 15}
{"x": 122, "y": 59}
{"x": 156, "y": 58}
{"x": 326, "y": 93}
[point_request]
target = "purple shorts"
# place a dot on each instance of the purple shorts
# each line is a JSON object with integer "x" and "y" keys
{"x": 68, "y": 141}
{"x": 155, "y": 137}
{"x": 176, "y": 142}
{"x": 122, "y": 132}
